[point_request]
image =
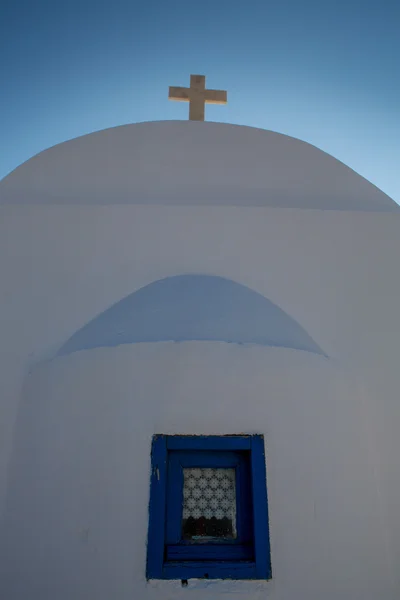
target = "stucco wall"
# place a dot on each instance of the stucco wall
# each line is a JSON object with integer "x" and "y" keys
{"x": 336, "y": 274}
{"x": 78, "y": 502}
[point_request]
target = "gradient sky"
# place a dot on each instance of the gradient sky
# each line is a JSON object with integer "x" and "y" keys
{"x": 324, "y": 71}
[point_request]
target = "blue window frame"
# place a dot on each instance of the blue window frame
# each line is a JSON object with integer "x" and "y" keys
{"x": 242, "y": 553}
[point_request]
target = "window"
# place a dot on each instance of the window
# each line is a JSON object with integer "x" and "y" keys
{"x": 208, "y": 508}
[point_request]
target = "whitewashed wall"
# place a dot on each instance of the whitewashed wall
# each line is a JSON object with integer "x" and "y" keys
{"x": 79, "y": 490}
{"x": 336, "y": 273}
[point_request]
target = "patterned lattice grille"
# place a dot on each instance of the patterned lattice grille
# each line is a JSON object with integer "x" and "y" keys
{"x": 209, "y": 503}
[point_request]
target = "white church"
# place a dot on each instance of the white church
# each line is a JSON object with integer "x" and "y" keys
{"x": 199, "y": 374}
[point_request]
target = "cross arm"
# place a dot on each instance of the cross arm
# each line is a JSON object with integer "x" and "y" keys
{"x": 180, "y": 94}
{"x": 216, "y": 97}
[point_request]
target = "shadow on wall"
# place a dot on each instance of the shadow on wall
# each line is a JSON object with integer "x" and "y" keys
{"x": 192, "y": 308}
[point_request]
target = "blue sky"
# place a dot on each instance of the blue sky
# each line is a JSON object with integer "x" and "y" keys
{"x": 327, "y": 72}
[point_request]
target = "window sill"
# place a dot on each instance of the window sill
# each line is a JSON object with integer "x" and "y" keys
{"x": 213, "y": 587}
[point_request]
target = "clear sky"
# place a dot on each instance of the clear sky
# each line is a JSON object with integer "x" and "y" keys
{"x": 325, "y": 71}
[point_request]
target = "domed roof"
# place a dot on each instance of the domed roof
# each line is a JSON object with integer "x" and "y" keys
{"x": 191, "y": 163}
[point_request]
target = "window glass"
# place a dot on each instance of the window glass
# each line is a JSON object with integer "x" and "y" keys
{"x": 209, "y": 503}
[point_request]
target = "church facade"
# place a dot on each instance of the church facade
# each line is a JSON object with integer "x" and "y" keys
{"x": 205, "y": 281}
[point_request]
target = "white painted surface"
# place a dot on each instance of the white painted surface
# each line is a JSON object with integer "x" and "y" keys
{"x": 79, "y": 485}
{"x": 191, "y": 163}
{"x": 335, "y": 272}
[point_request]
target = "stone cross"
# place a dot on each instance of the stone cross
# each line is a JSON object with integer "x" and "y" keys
{"x": 197, "y": 96}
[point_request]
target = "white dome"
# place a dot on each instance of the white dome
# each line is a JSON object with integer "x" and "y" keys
{"x": 191, "y": 163}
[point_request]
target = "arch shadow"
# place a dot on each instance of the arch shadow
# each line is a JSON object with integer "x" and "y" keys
{"x": 192, "y": 308}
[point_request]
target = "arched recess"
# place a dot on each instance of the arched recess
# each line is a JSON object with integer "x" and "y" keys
{"x": 192, "y": 307}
